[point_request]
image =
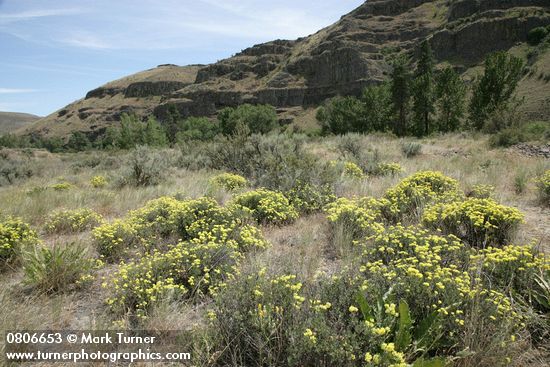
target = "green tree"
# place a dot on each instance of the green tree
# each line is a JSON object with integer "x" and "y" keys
{"x": 423, "y": 86}
{"x": 377, "y": 107}
{"x": 258, "y": 119}
{"x": 495, "y": 88}
{"x": 198, "y": 128}
{"x": 153, "y": 133}
{"x": 341, "y": 115}
{"x": 450, "y": 93}
{"x": 401, "y": 94}
{"x": 130, "y": 132}
{"x": 172, "y": 124}
{"x": 78, "y": 141}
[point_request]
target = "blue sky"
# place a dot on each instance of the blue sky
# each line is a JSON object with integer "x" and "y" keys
{"x": 54, "y": 51}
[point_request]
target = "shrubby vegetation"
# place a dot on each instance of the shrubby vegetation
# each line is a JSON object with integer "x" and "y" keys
{"x": 15, "y": 236}
{"x": 71, "y": 221}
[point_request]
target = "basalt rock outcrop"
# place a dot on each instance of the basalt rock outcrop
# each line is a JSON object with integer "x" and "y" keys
{"x": 339, "y": 60}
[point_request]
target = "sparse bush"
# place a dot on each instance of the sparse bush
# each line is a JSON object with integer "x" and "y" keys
{"x": 520, "y": 182}
{"x": 267, "y": 206}
{"x": 56, "y": 269}
{"x": 543, "y": 185}
{"x": 479, "y": 222}
{"x": 15, "y": 236}
{"x": 228, "y": 181}
{"x": 112, "y": 239}
{"x": 146, "y": 168}
{"x": 72, "y": 221}
{"x": 349, "y": 145}
{"x": 411, "y": 149}
{"x": 307, "y": 199}
{"x": 14, "y": 169}
{"x": 98, "y": 182}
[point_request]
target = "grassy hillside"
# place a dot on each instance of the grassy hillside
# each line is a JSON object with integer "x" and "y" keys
{"x": 11, "y": 121}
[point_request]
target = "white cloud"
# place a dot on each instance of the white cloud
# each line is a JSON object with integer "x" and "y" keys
{"x": 16, "y": 90}
{"x": 86, "y": 40}
{"x": 37, "y": 13}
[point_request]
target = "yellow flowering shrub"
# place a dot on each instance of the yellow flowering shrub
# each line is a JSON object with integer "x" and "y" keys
{"x": 432, "y": 274}
{"x": 388, "y": 169}
{"x": 481, "y": 191}
{"x": 479, "y": 222}
{"x": 63, "y": 186}
{"x": 267, "y": 206}
{"x": 98, "y": 182}
{"x": 359, "y": 216}
{"x": 14, "y": 235}
{"x": 228, "y": 181}
{"x": 72, "y": 221}
{"x": 543, "y": 185}
{"x": 189, "y": 269}
{"x": 112, "y": 239}
{"x": 411, "y": 195}
{"x": 352, "y": 170}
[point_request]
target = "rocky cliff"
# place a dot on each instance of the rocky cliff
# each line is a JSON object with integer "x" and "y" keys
{"x": 292, "y": 75}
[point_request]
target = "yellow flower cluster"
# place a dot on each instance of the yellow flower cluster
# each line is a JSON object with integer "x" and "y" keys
{"x": 388, "y": 169}
{"x": 98, "y": 182}
{"x": 412, "y": 194}
{"x": 352, "y": 170}
{"x": 267, "y": 206}
{"x": 63, "y": 186}
{"x": 213, "y": 241}
{"x": 479, "y": 222}
{"x": 71, "y": 221}
{"x": 111, "y": 239}
{"x": 307, "y": 198}
{"x": 360, "y": 216}
{"x": 481, "y": 191}
{"x": 14, "y": 234}
{"x": 228, "y": 181}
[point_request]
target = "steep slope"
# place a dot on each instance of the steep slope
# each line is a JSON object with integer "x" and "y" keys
{"x": 340, "y": 59}
{"x": 11, "y": 121}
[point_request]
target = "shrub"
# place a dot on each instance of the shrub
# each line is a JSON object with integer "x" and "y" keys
{"x": 56, "y": 269}
{"x": 352, "y": 170}
{"x": 63, "y": 186}
{"x": 72, "y": 221}
{"x": 307, "y": 199}
{"x": 543, "y": 185}
{"x": 410, "y": 196}
{"x": 195, "y": 267}
{"x": 112, "y": 239}
{"x": 479, "y": 222}
{"x": 387, "y": 169}
{"x": 411, "y": 149}
{"x": 13, "y": 170}
{"x": 228, "y": 181}
{"x": 341, "y": 115}
{"x": 355, "y": 218}
{"x": 146, "y": 168}
{"x": 98, "y": 182}
{"x": 15, "y": 235}
{"x": 536, "y": 35}
{"x": 267, "y": 206}
{"x": 520, "y": 182}
{"x": 481, "y": 191}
